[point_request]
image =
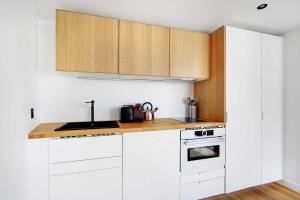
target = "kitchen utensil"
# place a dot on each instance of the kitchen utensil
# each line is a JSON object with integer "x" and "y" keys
{"x": 147, "y": 104}
{"x": 138, "y": 106}
{"x": 139, "y": 114}
{"x": 149, "y": 114}
{"x": 191, "y": 109}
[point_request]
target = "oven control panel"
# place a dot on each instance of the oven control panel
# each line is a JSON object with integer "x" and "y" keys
{"x": 204, "y": 133}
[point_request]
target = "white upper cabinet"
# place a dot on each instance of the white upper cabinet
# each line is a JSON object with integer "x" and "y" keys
{"x": 243, "y": 105}
{"x": 272, "y": 84}
{"x": 151, "y": 165}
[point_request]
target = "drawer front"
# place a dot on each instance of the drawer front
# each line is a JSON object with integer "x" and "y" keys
{"x": 202, "y": 189}
{"x": 92, "y": 185}
{"x": 76, "y": 149}
{"x": 202, "y": 176}
{"x": 84, "y": 166}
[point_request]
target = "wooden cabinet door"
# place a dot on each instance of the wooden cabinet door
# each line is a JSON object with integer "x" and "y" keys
{"x": 151, "y": 165}
{"x": 86, "y": 43}
{"x": 272, "y": 107}
{"x": 144, "y": 49}
{"x": 243, "y": 106}
{"x": 189, "y": 54}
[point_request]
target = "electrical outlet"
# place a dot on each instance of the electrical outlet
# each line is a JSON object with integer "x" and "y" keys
{"x": 32, "y": 113}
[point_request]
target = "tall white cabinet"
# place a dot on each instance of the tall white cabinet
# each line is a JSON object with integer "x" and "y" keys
{"x": 272, "y": 108}
{"x": 254, "y": 108}
{"x": 243, "y": 106}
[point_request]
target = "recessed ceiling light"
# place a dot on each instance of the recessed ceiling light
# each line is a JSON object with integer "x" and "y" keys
{"x": 262, "y": 6}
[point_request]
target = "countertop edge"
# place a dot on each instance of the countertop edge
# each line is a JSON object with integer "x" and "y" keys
{"x": 46, "y": 130}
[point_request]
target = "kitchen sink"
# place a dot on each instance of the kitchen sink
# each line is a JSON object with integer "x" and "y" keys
{"x": 88, "y": 125}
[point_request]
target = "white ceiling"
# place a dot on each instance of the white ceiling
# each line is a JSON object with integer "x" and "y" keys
{"x": 199, "y": 15}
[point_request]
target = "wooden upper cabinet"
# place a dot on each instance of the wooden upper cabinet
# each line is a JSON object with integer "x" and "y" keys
{"x": 189, "y": 54}
{"x": 144, "y": 49}
{"x": 86, "y": 43}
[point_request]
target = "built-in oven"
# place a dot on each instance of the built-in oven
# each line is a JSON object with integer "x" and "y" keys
{"x": 202, "y": 149}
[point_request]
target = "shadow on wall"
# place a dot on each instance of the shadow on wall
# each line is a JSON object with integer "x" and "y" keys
{"x": 291, "y": 163}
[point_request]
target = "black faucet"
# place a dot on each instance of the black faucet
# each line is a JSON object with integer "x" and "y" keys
{"x": 92, "y": 102}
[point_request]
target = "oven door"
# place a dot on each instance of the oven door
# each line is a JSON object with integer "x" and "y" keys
{"x": 202, "y": 154}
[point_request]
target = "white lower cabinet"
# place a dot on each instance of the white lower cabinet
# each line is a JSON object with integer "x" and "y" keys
{"x": 147, "y": 168}
{"x": 85, "y": 168}
{"x": 83, "y": 148}
{"x": 151, "y": 165}
{"x": 202, "y": 189}
{"x": 202, "y": 185}
{"x": 103, "y": 184}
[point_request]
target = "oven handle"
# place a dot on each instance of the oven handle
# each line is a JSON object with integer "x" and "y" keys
{"x": 220, "y": 139}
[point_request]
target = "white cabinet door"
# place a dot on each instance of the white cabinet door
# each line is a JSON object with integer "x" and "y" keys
{"x": 38, "y": 169}
{"x": 243, "y": 105}
{"x": 151, "y": 165}
{"x": 272, "y": 62}
{"x": 75, "y": 149}
{"x": 91, "y": 185}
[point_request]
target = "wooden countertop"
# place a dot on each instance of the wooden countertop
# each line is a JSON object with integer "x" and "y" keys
{"x": 46, "y": 130}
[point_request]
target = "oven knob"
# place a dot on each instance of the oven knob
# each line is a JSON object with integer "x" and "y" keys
{"x": 204, "y": 133}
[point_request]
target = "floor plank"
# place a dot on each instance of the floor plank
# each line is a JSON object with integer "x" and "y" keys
{"x": 272, "y": 191}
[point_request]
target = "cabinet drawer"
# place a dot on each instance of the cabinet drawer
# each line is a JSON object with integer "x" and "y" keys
{"x": 201, "y": 176}
{"x": 92, "y": 185}
{"x": 202, "y": 189}
{"x": 75, "y": 149}
{"x": 85, "y": 165}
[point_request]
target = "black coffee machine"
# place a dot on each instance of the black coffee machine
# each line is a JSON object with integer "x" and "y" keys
{"x": 127, "y": 113}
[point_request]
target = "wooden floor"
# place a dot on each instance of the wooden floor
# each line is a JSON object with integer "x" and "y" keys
{"x": 273, "y": 191}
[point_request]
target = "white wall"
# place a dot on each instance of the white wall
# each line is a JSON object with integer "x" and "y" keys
{"x": 62, "y": 98}
{"x": 292, "y": 109}
{"x": 18, "y": 79}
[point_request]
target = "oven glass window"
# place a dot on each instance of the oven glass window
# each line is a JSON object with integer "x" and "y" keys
{"x": 201, "y": 153}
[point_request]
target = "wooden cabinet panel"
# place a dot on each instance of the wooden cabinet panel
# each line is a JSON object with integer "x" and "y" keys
{"x": 211, "y": 92}
{"x": 86, "y": 43}
{"x": 189, "y": 54}
{"x": 144, "y": 49}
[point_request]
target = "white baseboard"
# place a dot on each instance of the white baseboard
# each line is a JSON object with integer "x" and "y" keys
{"x": 290, "y": 184}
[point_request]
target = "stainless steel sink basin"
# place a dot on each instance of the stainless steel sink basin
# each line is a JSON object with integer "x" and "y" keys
{"x": 88, "y": 125}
